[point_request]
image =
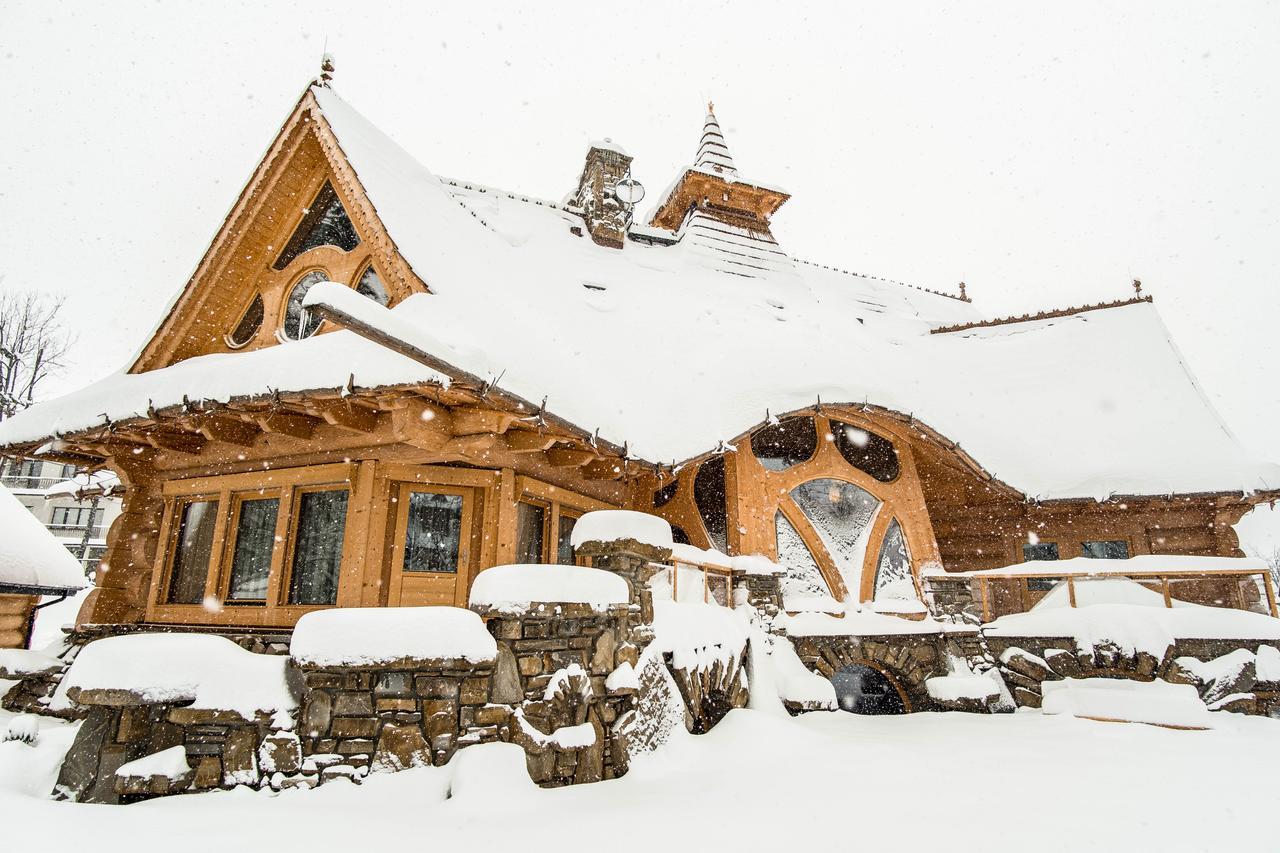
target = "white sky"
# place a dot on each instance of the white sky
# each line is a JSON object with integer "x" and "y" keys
{"x": 1046, "y": 156}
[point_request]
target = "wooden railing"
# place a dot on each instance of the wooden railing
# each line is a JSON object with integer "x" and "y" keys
{"x": 1261, "y": 579}
{"x": 715, "y": 582}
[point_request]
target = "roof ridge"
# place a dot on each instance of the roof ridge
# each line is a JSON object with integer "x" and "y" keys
{"x": 882, "y": 278}
{"x": 488, "y": 188}
{"x": 1042, "y": 315}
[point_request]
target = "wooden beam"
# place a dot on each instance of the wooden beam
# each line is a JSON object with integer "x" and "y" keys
{"x": 350, "y": 416}
{"x": 469, "y": 445}
{"x": 287, "y": 423}
{"x": 183, "y": 442}
{"x": 476, "y": 421}
{"x": 228, "y": 430}
{"x": 603, "y": 469}
{"x": 568, "y": 457}
{"x": 525, "y": 441}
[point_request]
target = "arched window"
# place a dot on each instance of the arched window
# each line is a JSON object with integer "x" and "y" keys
{"x": 804, "y": 577}
{"x": 371, "y": 286}
{"x": 786, "y": 443}
{"x": 250, "y": 323}
{"x": 866, "y": 451}
{"x": 298, "y": 322}
{"x": 893, "y": 568}
{"x": 841, "y": 514}
{"x": 325, "y": 223}
{"x": 709, "y": 495}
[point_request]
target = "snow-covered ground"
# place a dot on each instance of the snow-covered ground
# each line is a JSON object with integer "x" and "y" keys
{"x": 757, "y": 782}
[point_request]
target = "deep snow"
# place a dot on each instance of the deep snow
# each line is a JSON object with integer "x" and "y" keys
{"x": 756, "y": 782}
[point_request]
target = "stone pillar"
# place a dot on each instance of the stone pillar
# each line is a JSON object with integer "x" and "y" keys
{"x": 634, "y": 561}
{"x": 762, "y": 591}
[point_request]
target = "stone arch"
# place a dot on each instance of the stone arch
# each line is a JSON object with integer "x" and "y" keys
{"x": 907, "y": 661}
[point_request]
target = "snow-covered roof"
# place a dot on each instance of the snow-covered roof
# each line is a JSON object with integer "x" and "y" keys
{"x": 30, "y": 557}
{"x": 670, "y": 349}
{"x": 1138, "y": 564}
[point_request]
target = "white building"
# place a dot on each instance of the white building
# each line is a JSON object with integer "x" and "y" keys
{"x": 78, "y": 511}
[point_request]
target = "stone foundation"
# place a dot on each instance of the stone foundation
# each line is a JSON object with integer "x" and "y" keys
{"x": 907, "y": 659}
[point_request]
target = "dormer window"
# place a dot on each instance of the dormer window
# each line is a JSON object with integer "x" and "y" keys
{"x": 298, "y": 322}
{"x": 325, "y": 223}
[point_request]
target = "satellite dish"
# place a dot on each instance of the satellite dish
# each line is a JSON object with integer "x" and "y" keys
{"x": 629, "y": 191}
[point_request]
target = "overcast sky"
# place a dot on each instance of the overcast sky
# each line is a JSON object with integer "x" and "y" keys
{"x": 1046, "y": 154}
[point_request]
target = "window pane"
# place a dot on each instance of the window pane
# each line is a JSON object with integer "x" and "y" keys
{"x": 298, "y": 322}
{"x": 530, "y": 521}
{"x": 317, "y": 554}
{"x": 842, "y": 514}
{"x": 893, "y": 569}
{"x": 709, "y": 495}
{"x": 370, "y": 286}
{"x": 255, "y": 542}
{"x": 804, "y": 578}
{"x": 195, "y": 546}
{"x": 433, "y": 532}
{"x": 663, "y": 496}
{"x": 866, "y": 451}
{"x": 325, "y": 224}
{"x": 249, "y": 323}
{"x": 1040, "y": 551}
{"x": 1110, "y": 550}
{"x": 786, "y": 443}
{"x": 564, "y": 537}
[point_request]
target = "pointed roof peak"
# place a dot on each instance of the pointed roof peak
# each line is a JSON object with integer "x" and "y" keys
{"x": 713, "y": 153}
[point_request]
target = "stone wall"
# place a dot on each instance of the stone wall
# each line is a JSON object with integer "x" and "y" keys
{"x": 1027, "y": 662}
{"x": 412, "y": 713}
{"x": 221, "y": 747}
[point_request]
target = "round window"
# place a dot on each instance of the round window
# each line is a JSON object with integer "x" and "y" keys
{"x": 300, "y": 323}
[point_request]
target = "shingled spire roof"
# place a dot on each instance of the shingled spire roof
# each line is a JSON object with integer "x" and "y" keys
{"x": 713, "y": 154}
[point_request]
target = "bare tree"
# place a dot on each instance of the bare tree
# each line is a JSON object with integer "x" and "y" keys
{"x": 33, "y": 344}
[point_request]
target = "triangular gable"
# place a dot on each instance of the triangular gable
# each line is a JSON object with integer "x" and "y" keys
{"x": 276, "y": 205}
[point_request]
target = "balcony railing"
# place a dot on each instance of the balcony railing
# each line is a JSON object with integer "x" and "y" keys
{"x": 14, "y": 481}
{"x": 95, "y": 532}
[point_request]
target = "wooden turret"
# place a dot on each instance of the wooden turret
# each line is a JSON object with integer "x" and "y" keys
{"x": 713, "y": 186}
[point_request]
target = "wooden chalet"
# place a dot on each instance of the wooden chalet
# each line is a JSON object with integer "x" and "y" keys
{"x": 379, "y": 382}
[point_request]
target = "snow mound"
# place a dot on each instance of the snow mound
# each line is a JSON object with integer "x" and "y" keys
{"x": 29, "y": 555}
{"x": 693, "y": 554}
{"x": 521, "y": 584}
{"x": 691, "y": 630}
{"x": 1136, "y": 563}
{"x": 490, "y": 771}
{"x": 202, "y": 670}
{"x": 170, "y": 763}
{"x": 1157, "y": 703}
{"x": 755, "y": 564}
{"x": 368, "y": 636}
{"x": 957, "y": 687}
{"x": 15, "y": 663}
{"x": 613, "y": 525}
{"x": 1268, "y": 663}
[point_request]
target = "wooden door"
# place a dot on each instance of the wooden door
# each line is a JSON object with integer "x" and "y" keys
{"x": 433, "y": 548}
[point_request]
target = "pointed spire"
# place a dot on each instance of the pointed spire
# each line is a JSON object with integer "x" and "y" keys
{"x": 713, "y": 154}
{"x": 326, "y": 70}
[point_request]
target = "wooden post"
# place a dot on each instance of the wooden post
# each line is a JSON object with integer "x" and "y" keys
{"x": 704, "y": 584}
{"x": 986, "y": 607}
{"x": 1071, "y": 589}
{"x": 1164, "y": 587}
{"x": 675, "y": 581}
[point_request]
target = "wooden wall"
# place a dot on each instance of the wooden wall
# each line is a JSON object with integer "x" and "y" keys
{"x": 15, "y": 620}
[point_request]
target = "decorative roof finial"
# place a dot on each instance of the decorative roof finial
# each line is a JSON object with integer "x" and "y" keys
{"x": 963, "y": 295}
{"x": 326, "y": 69}
{"x": 1137, "y": 288}
{"x": 711, "y": 107}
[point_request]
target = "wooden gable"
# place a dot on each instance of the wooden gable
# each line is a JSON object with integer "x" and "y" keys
{"x": 238, "y": 268}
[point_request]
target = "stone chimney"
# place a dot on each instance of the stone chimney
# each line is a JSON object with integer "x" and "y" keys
{"x": 606, "y": 217}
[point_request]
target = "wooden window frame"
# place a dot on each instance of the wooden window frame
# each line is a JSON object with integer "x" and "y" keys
{"x": 227, "y": 559}
{"x": 230, "y": 490}
{"x": 556, "y": 501}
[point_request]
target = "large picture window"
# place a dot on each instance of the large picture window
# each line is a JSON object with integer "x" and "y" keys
{"x": 325, "y": 223}
{"x": 317, "y": 554}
